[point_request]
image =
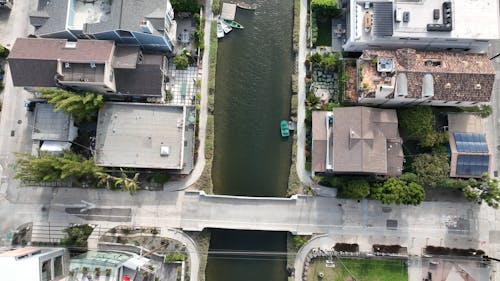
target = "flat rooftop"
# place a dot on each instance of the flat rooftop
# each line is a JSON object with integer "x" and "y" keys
{"x": 469, "y": 19}
{"x": 50, "y": 125}
{"x": 21, "y": 252}
{"x": 134, "y": 134}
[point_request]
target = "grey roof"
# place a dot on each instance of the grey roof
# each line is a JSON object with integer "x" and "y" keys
{"x": 50, "y": 125}
{"x": 55, "y": 11}
{"x": 127, "y": 15}
{"x": 124, "y": 14}
{"x": 132, "y": 134}
{"x": 126, "y": 56}
{"x": 382, "y": 18}
{"x": 144, "y": 80}
{"x": 33, "y": 73}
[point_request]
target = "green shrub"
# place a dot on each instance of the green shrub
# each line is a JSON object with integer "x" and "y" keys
{"x": 76, "y": 236}
{"x": 355, "y": 188}
{"x": 175, "y": 257}
{"x": 4, "y": 52}
{"x": 161, "y": 178}
{"x": 181, "y": 61}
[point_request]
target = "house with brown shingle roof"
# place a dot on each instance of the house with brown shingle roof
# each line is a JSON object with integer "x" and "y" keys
{"x": 356, "y": 140}
{"x": 406, "y": 77}
{"x": 92, "y": 65}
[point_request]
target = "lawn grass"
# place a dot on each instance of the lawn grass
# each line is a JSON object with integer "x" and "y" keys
{"x": 324, "y": 33}
{"x": 361, "y": 270}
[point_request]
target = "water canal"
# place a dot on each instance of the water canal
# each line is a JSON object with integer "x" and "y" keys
{"x": 251, "y": 159}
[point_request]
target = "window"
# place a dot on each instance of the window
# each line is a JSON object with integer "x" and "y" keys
{"x": 46, "y": 271}
{"x": 58, "y": 269}
{"x": 124, "y": 33}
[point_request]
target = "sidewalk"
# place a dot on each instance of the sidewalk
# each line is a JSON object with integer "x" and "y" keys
{"x": 304, "y": 175}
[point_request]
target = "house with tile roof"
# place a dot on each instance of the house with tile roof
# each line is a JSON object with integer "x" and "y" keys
{"x": 406, "y": 77}
{"x": 149, "y": 24}
{"x": 356, "y": 140}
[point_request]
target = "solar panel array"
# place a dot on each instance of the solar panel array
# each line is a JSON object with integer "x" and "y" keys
{"x": 469, "y": 142}
{"x": 472, "y": 165}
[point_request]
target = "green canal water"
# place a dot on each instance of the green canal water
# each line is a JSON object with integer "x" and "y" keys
{"x": 251, "y": 159}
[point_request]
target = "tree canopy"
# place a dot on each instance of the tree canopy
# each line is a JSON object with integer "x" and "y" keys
{"x": 397, "y": 191}
{"x": 486, "y": 190}
{"x": 325, "y": 9}
{"x": 431, "y": 169}
{"x": 49, "y": 167}
{"x": 189, "y": 6}
{"x": 82, "y": 106}
{"x": 416, "y": 121}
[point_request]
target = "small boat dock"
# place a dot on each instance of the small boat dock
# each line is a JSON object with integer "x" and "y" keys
{"x": 228, "y": 11}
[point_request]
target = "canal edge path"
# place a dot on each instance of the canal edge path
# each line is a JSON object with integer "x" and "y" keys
{"x": 301, "y": 112}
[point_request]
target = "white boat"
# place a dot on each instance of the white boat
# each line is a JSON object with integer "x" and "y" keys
{"x": 220, "y": 30}
{"x": 225, "y": 26}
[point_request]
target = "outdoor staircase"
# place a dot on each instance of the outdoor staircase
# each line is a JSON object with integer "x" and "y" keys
{"x": 47, "y": 232}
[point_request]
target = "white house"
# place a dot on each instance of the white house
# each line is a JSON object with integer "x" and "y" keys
{"x": 422, "y": 24}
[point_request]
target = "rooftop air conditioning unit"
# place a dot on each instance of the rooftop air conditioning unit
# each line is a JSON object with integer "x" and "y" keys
{"x": 146, "y": 27}
{"x": 92, "y": 65}
{"x": 67, "y": 65}
{"x": 164, "y": 150}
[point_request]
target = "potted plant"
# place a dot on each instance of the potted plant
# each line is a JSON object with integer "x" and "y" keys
{"x": 108, "y": 271}
{"x": 97, "y": 271}
{"x": 85, "y": 270}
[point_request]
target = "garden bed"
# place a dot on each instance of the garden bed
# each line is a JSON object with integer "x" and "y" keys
{"x": 349, "y": 269}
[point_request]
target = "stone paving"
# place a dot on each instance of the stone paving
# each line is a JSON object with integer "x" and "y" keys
{"x": 182, "y": 85}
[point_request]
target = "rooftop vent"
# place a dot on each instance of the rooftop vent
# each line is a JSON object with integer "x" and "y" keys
{"x": 477, "y": 86}
{"x": 70, "y": 45}
{"x": 432, "y": 63}
{"x": 402, "y": 85}
{"x": 164, "y": 150}
{"x": 428, "y": 86}
{"x": 92, "y": 65}
{"x": 447, "y": 85}
{"x": 67, "y": 65}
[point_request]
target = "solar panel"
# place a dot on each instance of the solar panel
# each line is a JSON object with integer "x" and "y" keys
{"x": 469, "y": 142}
{"x": 472, "y": 165}
{"x": 382, "y": 18}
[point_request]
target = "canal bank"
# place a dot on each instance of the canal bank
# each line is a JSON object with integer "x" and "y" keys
{"x": 253, "y": 77}
{"x": 253, "y": 88}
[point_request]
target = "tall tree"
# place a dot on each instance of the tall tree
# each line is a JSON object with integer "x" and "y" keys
{"x": 397, "y": 191}
{"x": 486, "y": 190}
{"x": 49, "y": 167}
{"x": 416, "y": 121}
{"x": 82, "y": 106}
{"x": 189, "y": 6}
{"x": 123, "y": 182}
{"x": 325, "y": 9}
{"x": 431, "y": 169}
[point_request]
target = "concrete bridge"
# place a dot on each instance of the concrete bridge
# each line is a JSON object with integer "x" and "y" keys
{"x": 306, "y": 215}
